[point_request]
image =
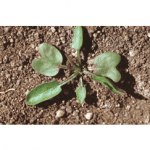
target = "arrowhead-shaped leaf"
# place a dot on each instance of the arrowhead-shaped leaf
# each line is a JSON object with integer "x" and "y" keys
{"x": 108, "y": 84}
{"x": 77, "y": 38}
{"x": 106, "y": 64}
{"x": 81, "y": 92}
{"x": 50, "y": 61}
{"x": 43, "y": 92}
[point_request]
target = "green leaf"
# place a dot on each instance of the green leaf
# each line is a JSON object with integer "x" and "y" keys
{"x": 108, "y": 84}
{"x": 81, "y": 92}
{"x": 106, "y": 64}
{"x": 50, "y": 61}
{"x": 78, "y": 38}
{"x": 43, "y": 92}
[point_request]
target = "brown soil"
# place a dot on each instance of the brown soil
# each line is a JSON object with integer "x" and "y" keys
{"x": 19, "y": 47}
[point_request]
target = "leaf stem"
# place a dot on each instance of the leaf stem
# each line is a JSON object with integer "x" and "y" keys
{"x": 87, "y": 72}
{"x": 69, "y": 79}
{"x": 79, "y": 59}
{"x": 66, "y": 67}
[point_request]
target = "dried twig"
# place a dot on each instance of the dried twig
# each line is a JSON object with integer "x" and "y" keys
{"x": 7, "y": 91}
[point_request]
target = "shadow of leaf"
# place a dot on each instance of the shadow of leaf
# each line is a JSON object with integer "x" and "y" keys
{"x": 87, "y": 44}
{"x": 91, "y": 99}
{"x": 128, "y": 81}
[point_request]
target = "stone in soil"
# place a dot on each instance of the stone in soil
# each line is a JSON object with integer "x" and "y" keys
{"x": 69, "y": 109}
{"x": 88, "y": 115}
{"x": 60, "y": 113}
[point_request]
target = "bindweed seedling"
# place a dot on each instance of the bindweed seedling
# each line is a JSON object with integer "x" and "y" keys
{"x": 51, "y": 61}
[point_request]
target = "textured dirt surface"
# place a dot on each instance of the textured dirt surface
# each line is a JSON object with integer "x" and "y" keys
{"x": 19, "y": 47}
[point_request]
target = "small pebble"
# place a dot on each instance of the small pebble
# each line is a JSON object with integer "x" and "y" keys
{"x": 132, "y": 53}
{"x": 60, "y": 113}
{"x": 18, "y": 82}
{"x": 7, "y": 75}
{"x": 11, "y": 40}
{"x": 63, "y": 107}
{"x": 128, "y": 107}
{"x": 74, "y": 53}
{"x": 20, "y": 68}
{"x": 6, "y": 29}
{"x": 148, "y": 34}
{"x": 53, "y": 29}
{"x": 36, "y": 35}
{"x": 74, "y": 113}
{"x": 35, "y": 75}
{"x": 69, "y": 109}
{"x": 88, "y": 115}
{"x": 32, "y": 45}
{"x": 11, "y": 121}
{"x": 57, "y": 43}
{"x": 36, "y": 48}
{"x": 118, "y": 105}
{"x": 12, "y": 63}
{"x": 63, "y": 40}
{"x": 27, "y": 92}
{"x": 94, "y": 35}
{"x": 146, "y": 120}
{"x": 116, "y": 114}
{"x": 5, "y": 59}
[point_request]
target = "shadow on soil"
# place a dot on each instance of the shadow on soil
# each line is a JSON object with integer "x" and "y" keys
{"x": 87, "y": 44}
{"x": 91, "y": 99}
{"x": 129, "y": 80}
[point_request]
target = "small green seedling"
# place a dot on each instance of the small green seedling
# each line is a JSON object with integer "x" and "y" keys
{"x": 51, "y": 61}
